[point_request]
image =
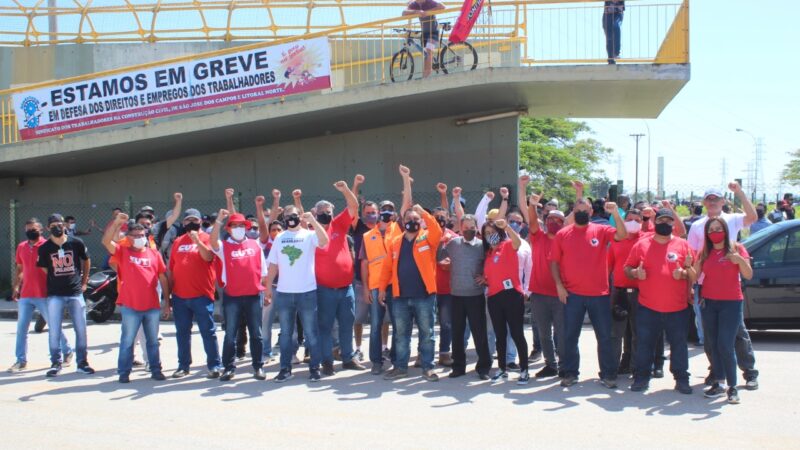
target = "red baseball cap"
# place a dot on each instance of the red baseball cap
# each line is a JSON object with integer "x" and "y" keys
{"x": 238, "y": 218}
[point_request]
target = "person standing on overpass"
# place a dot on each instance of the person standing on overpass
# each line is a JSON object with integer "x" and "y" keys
{"x": 430, "y": 28}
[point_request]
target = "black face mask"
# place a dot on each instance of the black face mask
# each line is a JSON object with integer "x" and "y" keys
{"x": 386, "y": 216}
{"x": 450, "y": 225}
{"x": 192, "y": 226}
{"x": 442, "y": 223}
{"x": 57, "y": 231}
{"x": 581, "y": 217}
{"x": 206, "y": 224}
{"x": 663, "y": 229}
{"x": 469, "y": 235}
{"x": 698, "y": 210}
{"x": 33, "y": 235}
{"x": 324, "y": 218}
{"x": 292, "y": 220}
{"x": 412, "y": 227}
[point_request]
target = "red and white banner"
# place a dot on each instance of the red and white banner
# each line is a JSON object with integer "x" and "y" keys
{"x": 230, "y": 79}
{"x": 466, "y": 20}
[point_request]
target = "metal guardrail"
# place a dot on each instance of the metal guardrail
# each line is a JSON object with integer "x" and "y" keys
{"x": 510, "y": 33}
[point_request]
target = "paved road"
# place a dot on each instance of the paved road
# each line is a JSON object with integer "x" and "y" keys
{"x": 358, "y": 409}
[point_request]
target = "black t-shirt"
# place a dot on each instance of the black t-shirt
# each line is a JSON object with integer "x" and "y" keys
{"x": 357, "y": 234}
{"x": 64, "y": 266}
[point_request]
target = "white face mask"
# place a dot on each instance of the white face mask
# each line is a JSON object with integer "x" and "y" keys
{"x": 238, "y": 233}
{"x": 633, "y": 226}
{"x": 72, "y": 226}
{"x": 140, "y": 242}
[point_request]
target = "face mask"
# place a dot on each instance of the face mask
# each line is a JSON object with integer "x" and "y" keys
{"x": 57, "y": 231}
{"x": 386, "y": 216}
{"x": 72, "y": 226}
{"x": 33, "y": 235}
{"x": 371, "y": 218}
{"x": 273, "y": 234}
{"x": 206, "y": 225}
{"x": 252, "y": 233}
{"x": 493, "y": 239}
{"x": 139, "y": 242}
{"x": 238, "y": 233}
{"x": 442, "y": 223}
{"x": 469, "y": 235}
{"x": 581, "y": 217}
{"x": 663, "y": 229}
{"x": 450, "y": 225}
{"x": 698, "y": 210}
{"x": 412, "y": 227}
{"x": 554, "y": 227}
{"x": 293, "y": 220}
{"x": 192, "y": 226}
{"x": 515, "y": 226}
{"x": 716, "y": 236}
{"x": 324, "y": 218}
{"x": 633, "y": 226}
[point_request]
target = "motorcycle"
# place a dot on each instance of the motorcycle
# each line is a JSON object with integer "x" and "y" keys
{"x": 101, "y": 295}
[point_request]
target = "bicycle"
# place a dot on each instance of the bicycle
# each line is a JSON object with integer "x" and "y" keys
{"x": 451, "y": 58}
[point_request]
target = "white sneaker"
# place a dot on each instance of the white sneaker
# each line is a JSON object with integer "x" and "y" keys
{"x": 17, "y": 367}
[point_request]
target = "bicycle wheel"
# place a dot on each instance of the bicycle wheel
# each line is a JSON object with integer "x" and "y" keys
{"x": 402, "y": 68}
{"x": 459, "y": 57}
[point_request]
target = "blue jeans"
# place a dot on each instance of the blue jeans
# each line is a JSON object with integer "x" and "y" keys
{"x": 232, "y": 309}
{"x": 267, "y": 319}
{"x": 377, "y": 313}
{"x": 289, "y": 306}
{"x": 131, "y": 321}
{"x": 55, "y": 316}
{"x": 698, "y": 315}
{"x": 201, "y": 310}
{"x": 404, "y": 310}
{"x": 649, "y": 326}
{"x": 599, "y": 309}
{"x": 336, "y": 305}
{"x": 721, "y": 319}
{"x": 611, "y": 25}
{"x": 25, "y": 307}
{"x": 444, "y": 305}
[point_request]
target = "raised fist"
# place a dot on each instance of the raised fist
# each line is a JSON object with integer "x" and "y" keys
{"x": 441, "y": 187}
{"x": 500, "y": 224}
{"x": 577, "y": 185}
{"x": 276, "y": 194}
{"x": 610, "y": 207}
{"x": 504, "y": 192}
{"x": 307, "y": 217}
{"x": 359, "y": 179}
{"x": 223, "y": 214}
{"x": 524, "y": 180}
{"x": 404, "y": 171}
{"x": 456, "y": 191}
{"x": 194, "y": 236}
{"x": 418, "y": 209}
{"x": 340, "y": 186}
{"x": 177, "y": 196}
{"x": 122, "y": 217}
{"x": 260, "y": 201}
{"x": 734, "y": 187}
{"x": 297, "y": 193}
{"x": 229, "y": 193}
{"x": 534, "y": 199}
{"x": 490, "y": 194}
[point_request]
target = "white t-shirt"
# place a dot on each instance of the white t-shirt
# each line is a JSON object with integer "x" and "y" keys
{"x": 525, "y": 264}
{"x": 735, "y": 224}
{"x": 293, "y": 252}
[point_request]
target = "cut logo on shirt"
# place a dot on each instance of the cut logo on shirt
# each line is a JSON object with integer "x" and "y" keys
{"x": 243, "y": 253}
{"x": 142, "y": 262}
{"x": 187, "y": 248}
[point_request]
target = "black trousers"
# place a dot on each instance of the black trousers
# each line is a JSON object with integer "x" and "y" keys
{"x": 507, "y": 309}
{"x": 473, "y": 309}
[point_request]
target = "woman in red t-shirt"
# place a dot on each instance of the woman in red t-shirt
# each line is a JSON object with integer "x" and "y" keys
{"x": 722, "y": 265}
{"x": 506, "y": 301}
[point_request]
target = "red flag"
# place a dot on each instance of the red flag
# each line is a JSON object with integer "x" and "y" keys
{"x": 466, "y": 20}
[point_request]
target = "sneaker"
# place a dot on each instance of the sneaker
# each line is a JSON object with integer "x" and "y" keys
{"x": 524, "y": 377}
{"x": 752, "y": 384}
{"x": 125, "y": 378}
{"x": 136, "y": 363}
{"x": 227, "y": 375}
{"x": 353, "y": 364}
{"x": 180, "y": 373}
{"x": 358, "y": 356}
{"x": 568, "y": 381}
{"x": 709, "y": 381}
{"x": 377, "y": 369}
{"x": 499, "y": 376}
{"x": 536, "y": 355}
{"x": 295, "y": 359}
{"x": 512, "y": 367}
{"x": 17, "y": 367}
{"x": 283, "y": 375}
{"x": 733, "y": 396}
{"x": 147, "y": 367}
{"x": 445, "y": 360}
{"x": 68, "y": 359}
{"x": 418, "y": 361}
{"x": 212, "y": 374}
{"x": 158, "y": 376}
{"x": 484, "y": 376}
{"x": 85, "y": 369}
{"x": 327, "y": 369}
{"x": 456, "y": 373}
{"x": 386, "y": 354}
{"x": 640, "y": 385}
{"x": 395, "y": 374}
{"x": 683, "y": 387}
{"x": 314, "y": 375}
{"x": 609, "y": 383}
{"x": 259, "y": 374}
{"x": 714, "y": 391}
{"x": 658, "y": 373}
{"x": 546, "y": 372}
{"x": 430, "y": 375}
{"x": 612, "y": 61}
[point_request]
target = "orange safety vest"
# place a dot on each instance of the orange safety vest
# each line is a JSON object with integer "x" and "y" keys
{"x": 376, "y": 246}
{"x": 426, "y": 245}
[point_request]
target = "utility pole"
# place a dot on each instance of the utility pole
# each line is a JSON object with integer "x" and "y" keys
{"x": 636, "y": 136}
{"x": 619, "y": 167}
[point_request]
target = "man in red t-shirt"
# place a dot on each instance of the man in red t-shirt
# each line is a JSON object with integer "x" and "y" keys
{"x": 334, "y": 269}
{"x": 140, "y": 270}
{"x": 662, "y": 266}
{"x": 579, "y": 263}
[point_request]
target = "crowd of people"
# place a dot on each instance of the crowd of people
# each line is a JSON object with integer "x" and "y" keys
{"x": 640, "y": 272}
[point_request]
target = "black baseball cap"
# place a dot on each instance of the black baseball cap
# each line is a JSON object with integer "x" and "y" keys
{"x": 665, "y": 212}
{"x": 55, "y": 218}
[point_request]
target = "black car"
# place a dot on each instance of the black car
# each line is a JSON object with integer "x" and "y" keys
{"x": 772, "y": 296}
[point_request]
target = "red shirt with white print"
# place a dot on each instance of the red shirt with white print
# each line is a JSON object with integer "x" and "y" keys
{"x": 138, "y": 274}
{"x": 501, "y": 268}
{"x": 659, "y": 291}
{"x": 192, "y": 275}
{"x": 582, "y": 254}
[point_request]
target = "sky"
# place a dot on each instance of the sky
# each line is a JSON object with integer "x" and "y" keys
{"x": 745, "y": 73}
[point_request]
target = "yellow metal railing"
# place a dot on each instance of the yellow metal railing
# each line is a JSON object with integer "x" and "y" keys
{"x": 509, "y": 34}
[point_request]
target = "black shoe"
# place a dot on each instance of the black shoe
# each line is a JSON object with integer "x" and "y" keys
{"x": 212, "y": 374}
{"x": 456, "y": 373}
{"x": 158, "y": 376}
{"x": 610, "y": 383}
{"x": 751, "y": 384}
{"x": 227, "y": 375}
{"x": 546, "y": 372}
{"x": 524, "y": 378}
{"x": 86, "y": 369}
{"x": 125, "y": 378}
{"x": 658, "y": 373}
{"x": 683, "y": 387}
{"x": 55, "y": 369}
{"x": 733, "y": 396}
{"x": 714, "y": 391}
{"x": 536, "y": 355}
{"x": 611, "y": 61}
{"x": 500, "y": 375}
{"x": 327, "y": 369}
{"x": 709, "y": 381}
{"x": 568, "y": 381}
{"x": 283, "y": 375}
{"x": 640, "y": 385}
{"x": 512, "y": 367}
{"x": 180, "y": 373}
{"x": 483, "y": 376}
{"x": 259, "y": 374}
{"x": 314, "y": 375}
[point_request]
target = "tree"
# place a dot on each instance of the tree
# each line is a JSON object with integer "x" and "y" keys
{"x": 554, "y": 152}
{"x": 791, "y": 173}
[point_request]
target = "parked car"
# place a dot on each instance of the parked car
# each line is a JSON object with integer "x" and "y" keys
{"x": 772, "y": 296}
